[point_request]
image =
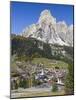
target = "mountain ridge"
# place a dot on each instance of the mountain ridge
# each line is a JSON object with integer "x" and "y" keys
{"x": 50, "y": 31}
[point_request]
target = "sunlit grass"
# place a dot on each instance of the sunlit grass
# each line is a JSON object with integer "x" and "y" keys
{"x": 48, "y": 63}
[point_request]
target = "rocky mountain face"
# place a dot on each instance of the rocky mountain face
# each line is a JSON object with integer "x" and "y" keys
{"x": 50, "y": 31}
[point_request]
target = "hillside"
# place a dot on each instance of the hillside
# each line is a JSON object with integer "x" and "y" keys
{"x": 31, "y": 47}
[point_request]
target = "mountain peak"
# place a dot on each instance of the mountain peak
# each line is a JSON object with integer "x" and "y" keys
{"x": 45, "y": 12}
{"x": 46, "y": 17}
{"x": 50, "y": 31}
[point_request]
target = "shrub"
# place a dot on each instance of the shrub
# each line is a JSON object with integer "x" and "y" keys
{"x": 54, "y": 88}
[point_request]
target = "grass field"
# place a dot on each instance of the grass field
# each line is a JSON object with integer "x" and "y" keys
{"x": 36, "y": 94}
{"x": 50, "y": 63}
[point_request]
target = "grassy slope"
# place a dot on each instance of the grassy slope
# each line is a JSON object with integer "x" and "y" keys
{"x": 50, "y": 63}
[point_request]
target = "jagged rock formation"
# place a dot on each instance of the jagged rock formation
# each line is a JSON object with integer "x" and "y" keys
{"x": 50, "y": 31}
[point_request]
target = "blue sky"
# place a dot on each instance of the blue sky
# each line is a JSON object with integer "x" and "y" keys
{"x": 23, "y": 14}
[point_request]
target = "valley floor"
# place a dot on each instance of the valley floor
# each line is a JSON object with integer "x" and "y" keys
{"x": 34, "y": 92}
